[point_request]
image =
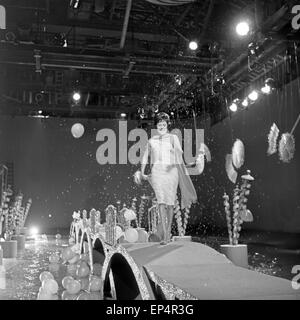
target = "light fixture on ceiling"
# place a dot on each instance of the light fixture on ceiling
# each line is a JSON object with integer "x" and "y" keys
{"x": 269, "y": 86}
{"x": 242, "y": 28}
{"x": 234, "y": 106}
{"x": 76, "y": 96}
{"x": 253, "y": 96}
{"x": 193, "y": 45}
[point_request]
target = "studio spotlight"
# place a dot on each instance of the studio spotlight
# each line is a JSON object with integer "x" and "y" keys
{"x": 242, "y": 29}
{"x": 234, "y": 106}
{"x": 269, "y": 86}
{"x": 245, "y": 103}
{"x": 266, "y": 89}
{"x": 253, "y": 96}
{"x": 76, "y": 97}
{"x": 193, "y": 45}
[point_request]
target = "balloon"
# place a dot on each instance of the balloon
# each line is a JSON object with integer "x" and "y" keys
{"x": 131, "y": 235}
{"x": 143, "y": 235}
{"x": 66, "y": 280}
{"x": 97, "y": 269}
{"x": 67, "y": 296}
{"x": 122, "y": 240}
{"x": 83, "y": 270}
{"x": 95, "y": 283}
{"x": 76, "y": 248}
{"x": 119, "y": 232}
{"x": 58, "y": 236}
{"x": 68, "y": 254}
{"x": 84, "y": 283}
{"x": 77, "y": 130}
{"x": 83, "y": 296}
{"x": 96, "y": 296}
{"x": 54, "y": 258}
{"x": 44, "y": 295}
{"x": 129, "y": 215}
{"x": 46, "y": 275}
{"x": 74, "y": 287}
{"x": 50, "y": 285}
{"x": 75, "y": 259}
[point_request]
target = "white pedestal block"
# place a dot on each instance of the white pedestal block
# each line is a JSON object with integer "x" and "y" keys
{"x": 20, "y": 241}
{"x": 236, "y": 254}
{"x": 9, "y": 249}
{"x": 185, "y": 238}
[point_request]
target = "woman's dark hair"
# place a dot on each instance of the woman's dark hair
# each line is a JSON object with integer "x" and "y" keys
{"x": 162, "y": 116}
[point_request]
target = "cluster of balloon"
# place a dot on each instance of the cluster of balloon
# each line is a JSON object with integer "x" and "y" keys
{"x": 82, "y": 285}
{"x": 49, "y": 287}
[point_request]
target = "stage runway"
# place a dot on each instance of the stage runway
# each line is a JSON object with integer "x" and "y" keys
{"x": 203, "y": 273}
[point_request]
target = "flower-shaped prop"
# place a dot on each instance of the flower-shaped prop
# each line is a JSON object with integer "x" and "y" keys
{"x": 200, "y": 161}
{"x": 272, "y": 139}
{"x": 235, "y": 160}
{"x": 287, "y": 144}
{"x": 286, "y": 147}
{"x": 240, "y": 212}
{"x": 238, "y": 154}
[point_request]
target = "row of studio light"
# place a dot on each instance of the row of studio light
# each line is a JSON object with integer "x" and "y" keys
{"x": 253, "y": 96}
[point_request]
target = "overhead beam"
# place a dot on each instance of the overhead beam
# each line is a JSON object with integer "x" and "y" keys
{"x": 125, "y": 25}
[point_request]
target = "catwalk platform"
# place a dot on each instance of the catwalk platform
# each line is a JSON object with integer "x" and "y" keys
{"x": 149, "y": 271}
{"x": 189, "y": 270}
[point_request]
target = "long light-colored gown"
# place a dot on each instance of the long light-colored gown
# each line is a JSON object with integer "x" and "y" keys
{"x": 164, "y": 173}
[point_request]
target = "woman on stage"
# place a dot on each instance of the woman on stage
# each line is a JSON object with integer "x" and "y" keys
{"x": 167, "y": 172}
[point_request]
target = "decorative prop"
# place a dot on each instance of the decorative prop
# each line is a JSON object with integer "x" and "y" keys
{"x": 228, "y": 217}
{"x": 177, "y": 212}
{"x": 240, "y": 212}
{"x": 286, "y": 147}
{"x": 287, "y": 144}
{"x": 238, "y": 154}
{"x": 110, "y": 225}
{"x": 272, "y": 139}
{"x": 231, "y": 173}
{"x": 131, "y": 235}
{"x": 129, "y": 215}
{"x": 141, "y": 211}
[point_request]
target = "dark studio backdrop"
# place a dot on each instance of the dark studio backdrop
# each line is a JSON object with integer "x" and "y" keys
{"x": 61, "y": 174}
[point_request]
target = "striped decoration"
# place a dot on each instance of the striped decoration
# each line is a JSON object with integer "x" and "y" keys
{"x": 170, "y": 2}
